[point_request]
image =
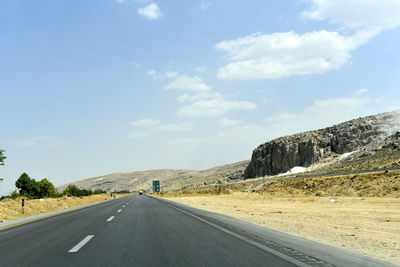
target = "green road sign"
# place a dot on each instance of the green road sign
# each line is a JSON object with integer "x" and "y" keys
{"x": 156, "y": 186}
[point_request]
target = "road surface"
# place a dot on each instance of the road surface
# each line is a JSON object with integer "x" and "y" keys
{"x": 138, "y": 231}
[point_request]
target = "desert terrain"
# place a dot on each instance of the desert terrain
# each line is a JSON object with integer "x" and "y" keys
{"x": 365, "y": 225}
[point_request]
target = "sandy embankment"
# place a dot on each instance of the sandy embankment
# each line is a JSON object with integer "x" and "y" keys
{"x": 11, "y": 209}
{"x": 368, "y": 226}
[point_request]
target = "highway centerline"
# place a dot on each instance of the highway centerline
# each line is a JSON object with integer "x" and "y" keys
{"x": 81, "y": 244}
{"x": 110, "y": 219}
{"x": 119, "y": 210}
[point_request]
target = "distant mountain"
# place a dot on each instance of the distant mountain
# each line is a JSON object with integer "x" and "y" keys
{"x": 170, "y": 179}
{"x": 363, "y": 143}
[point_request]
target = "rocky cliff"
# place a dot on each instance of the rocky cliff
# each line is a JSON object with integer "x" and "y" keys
{"x": 304, "y": 149}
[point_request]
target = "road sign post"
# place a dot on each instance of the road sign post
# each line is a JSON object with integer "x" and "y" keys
{"x": 156, "y": 187}
{"x": 23, "y": 205}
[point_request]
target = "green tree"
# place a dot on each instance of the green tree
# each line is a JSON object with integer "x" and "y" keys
{"x": 27, "y": 186}
{"x": 2, "y": 158}
{"x": 73, "y": 190}
{"x": 46, "y": 189}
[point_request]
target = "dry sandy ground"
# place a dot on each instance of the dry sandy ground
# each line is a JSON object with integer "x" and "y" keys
{"x": 367, "y": 226}
{"x": 11, "y": 209}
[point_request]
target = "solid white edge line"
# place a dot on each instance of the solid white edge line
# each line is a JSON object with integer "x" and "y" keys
{"x": 81, "y": 244}
{"x": 265, "y": 248}
{"x": 119, "y": 210}
{"x": 110, "y": 219}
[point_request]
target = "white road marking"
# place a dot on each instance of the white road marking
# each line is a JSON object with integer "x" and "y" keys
{"x": 110, "y": 219}
{"x": 81, "y": 244}
{"x": 118, "y": 210}
{"x": 265, "y": 248}
{"x": 123, "y": 206}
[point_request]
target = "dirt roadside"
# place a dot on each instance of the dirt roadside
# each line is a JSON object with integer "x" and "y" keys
{"x": 11, "y": 209}
{"x": 368, "y": 226}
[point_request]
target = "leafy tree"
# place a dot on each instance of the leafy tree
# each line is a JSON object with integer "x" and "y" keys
{"x": 35, "y": 189}
{"x": 2, "y": 158}
{"x": 76, "y": 192}
{"x": 27, "y": 186}
{"x": 46, "y": 189}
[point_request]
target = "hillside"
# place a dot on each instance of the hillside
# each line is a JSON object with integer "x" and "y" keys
{"x": 371, "y": 142}
{"x": 366, "y": 135}
{"x": 170, "y": 179}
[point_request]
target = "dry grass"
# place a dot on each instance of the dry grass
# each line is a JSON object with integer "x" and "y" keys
{"x": 356, "y": 212}
{"x": 385, "y": 158}
{"x": 380, "y": 184}
{"x": 11, "y": 209}
{"x": 369, "y": 226}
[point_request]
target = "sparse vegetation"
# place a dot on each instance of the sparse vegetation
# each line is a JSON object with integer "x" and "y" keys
{"x": 385, "y": 158}
{"x": 31, "y": 188}
{"x": 75, "y": 191}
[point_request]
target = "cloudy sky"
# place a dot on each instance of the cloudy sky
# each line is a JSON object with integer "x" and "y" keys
{"x": 95, "y": 87}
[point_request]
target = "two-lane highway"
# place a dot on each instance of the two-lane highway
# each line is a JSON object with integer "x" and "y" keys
{"x": 130, "y": 231}
{"x": 145, "y": 231}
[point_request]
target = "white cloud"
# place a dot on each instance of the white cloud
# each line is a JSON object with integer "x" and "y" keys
{"x": 199, "y": 96}
{"x": 382, "y": 14}
{"x": 157, "y": 125}
{"x": 226, "y": 123}
{"x": 139, "y": 135}
{"x": 321, "y": 113}
{"x": 277, "y": 55}
{"x": 200, "y": 69}
{"x": 145, "y": 123}
{"x": 174, "y": 127}
{"x": 187, "y": 83}
{"x": 361, "y": 91}
{"x": 204, "y": 4}
{"x": 135, "y": 64}
{"x": 150, "y": 12}
{"x": 151, "y": 73}
{"x": 214, "y": 107}
{"x": 200, "y": 100}
{"x": 171, "y": 74}
{"x": 40, "y": 141}
{"x": 162, "y": 75}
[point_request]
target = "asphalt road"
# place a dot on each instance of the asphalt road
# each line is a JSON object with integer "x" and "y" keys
{"x": 143, "y": 232}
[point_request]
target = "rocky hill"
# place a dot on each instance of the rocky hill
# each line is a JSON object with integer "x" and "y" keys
{"x": 169, "y": 179}
{"x": 282, "y": 154}
{"x": 359, "y": 144}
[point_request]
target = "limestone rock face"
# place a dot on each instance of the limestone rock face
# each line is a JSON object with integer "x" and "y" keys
{"x": 282, "y": 154}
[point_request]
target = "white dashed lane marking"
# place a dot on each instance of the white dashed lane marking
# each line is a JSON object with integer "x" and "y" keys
{"x": 119, "y": 210}
{"x": 110, "y": 219}
{"x": 81, "y": 244}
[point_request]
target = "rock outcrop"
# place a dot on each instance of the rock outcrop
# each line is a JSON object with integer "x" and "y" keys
{"x": 304, "y": 149}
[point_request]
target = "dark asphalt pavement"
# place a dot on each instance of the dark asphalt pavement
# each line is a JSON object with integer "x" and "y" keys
{"x": 146, "y": 232}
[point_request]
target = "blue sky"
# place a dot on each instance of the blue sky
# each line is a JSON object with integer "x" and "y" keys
{"x": 95, "y": 87}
